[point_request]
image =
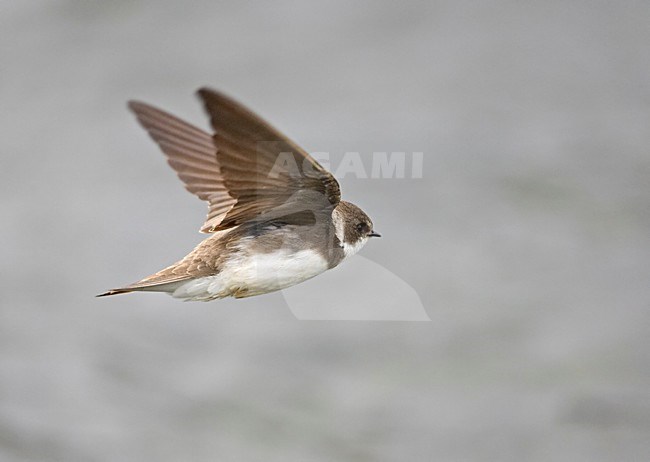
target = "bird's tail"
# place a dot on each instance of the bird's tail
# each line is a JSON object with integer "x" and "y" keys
{"x": 143, "y": 286}
{"x": 115, "y": 292}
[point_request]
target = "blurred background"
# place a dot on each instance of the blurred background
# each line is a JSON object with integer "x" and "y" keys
{"x": 527, "y": 239}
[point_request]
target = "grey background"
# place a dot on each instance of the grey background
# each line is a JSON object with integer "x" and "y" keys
{"x": 528, "y": 239}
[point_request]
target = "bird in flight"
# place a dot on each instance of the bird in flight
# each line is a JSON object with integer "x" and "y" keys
{"x": 275, "y": 215}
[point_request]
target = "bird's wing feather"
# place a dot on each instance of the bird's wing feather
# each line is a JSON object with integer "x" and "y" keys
{"x": 191, "y": 153}
{"x": 264, "y": 171}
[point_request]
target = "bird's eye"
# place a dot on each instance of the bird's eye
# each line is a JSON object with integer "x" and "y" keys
{"x": 361, "y": 227}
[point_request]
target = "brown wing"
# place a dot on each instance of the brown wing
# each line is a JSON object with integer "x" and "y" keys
{"x": 265, "y": 172}
{"x": 191, "y": 153}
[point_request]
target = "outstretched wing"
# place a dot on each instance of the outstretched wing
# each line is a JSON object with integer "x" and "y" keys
{"x": 191, "y": 153}
{"x": 247, "y": 170}
{"x": 266, "y": 173}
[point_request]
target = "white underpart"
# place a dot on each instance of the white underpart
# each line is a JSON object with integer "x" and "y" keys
{"x": 254, "y": 274}
{"x": 339, "y": 226}
{"x": 351, "y": 249}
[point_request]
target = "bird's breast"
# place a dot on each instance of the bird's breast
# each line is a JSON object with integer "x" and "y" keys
{"x": 266, "y": 272}
{"x": 247, "y": 274}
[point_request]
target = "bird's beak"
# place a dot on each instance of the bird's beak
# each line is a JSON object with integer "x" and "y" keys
{"x": 374, "y": 234}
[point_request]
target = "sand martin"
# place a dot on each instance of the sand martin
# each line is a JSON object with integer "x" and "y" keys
{"x": 275, "y": 215}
